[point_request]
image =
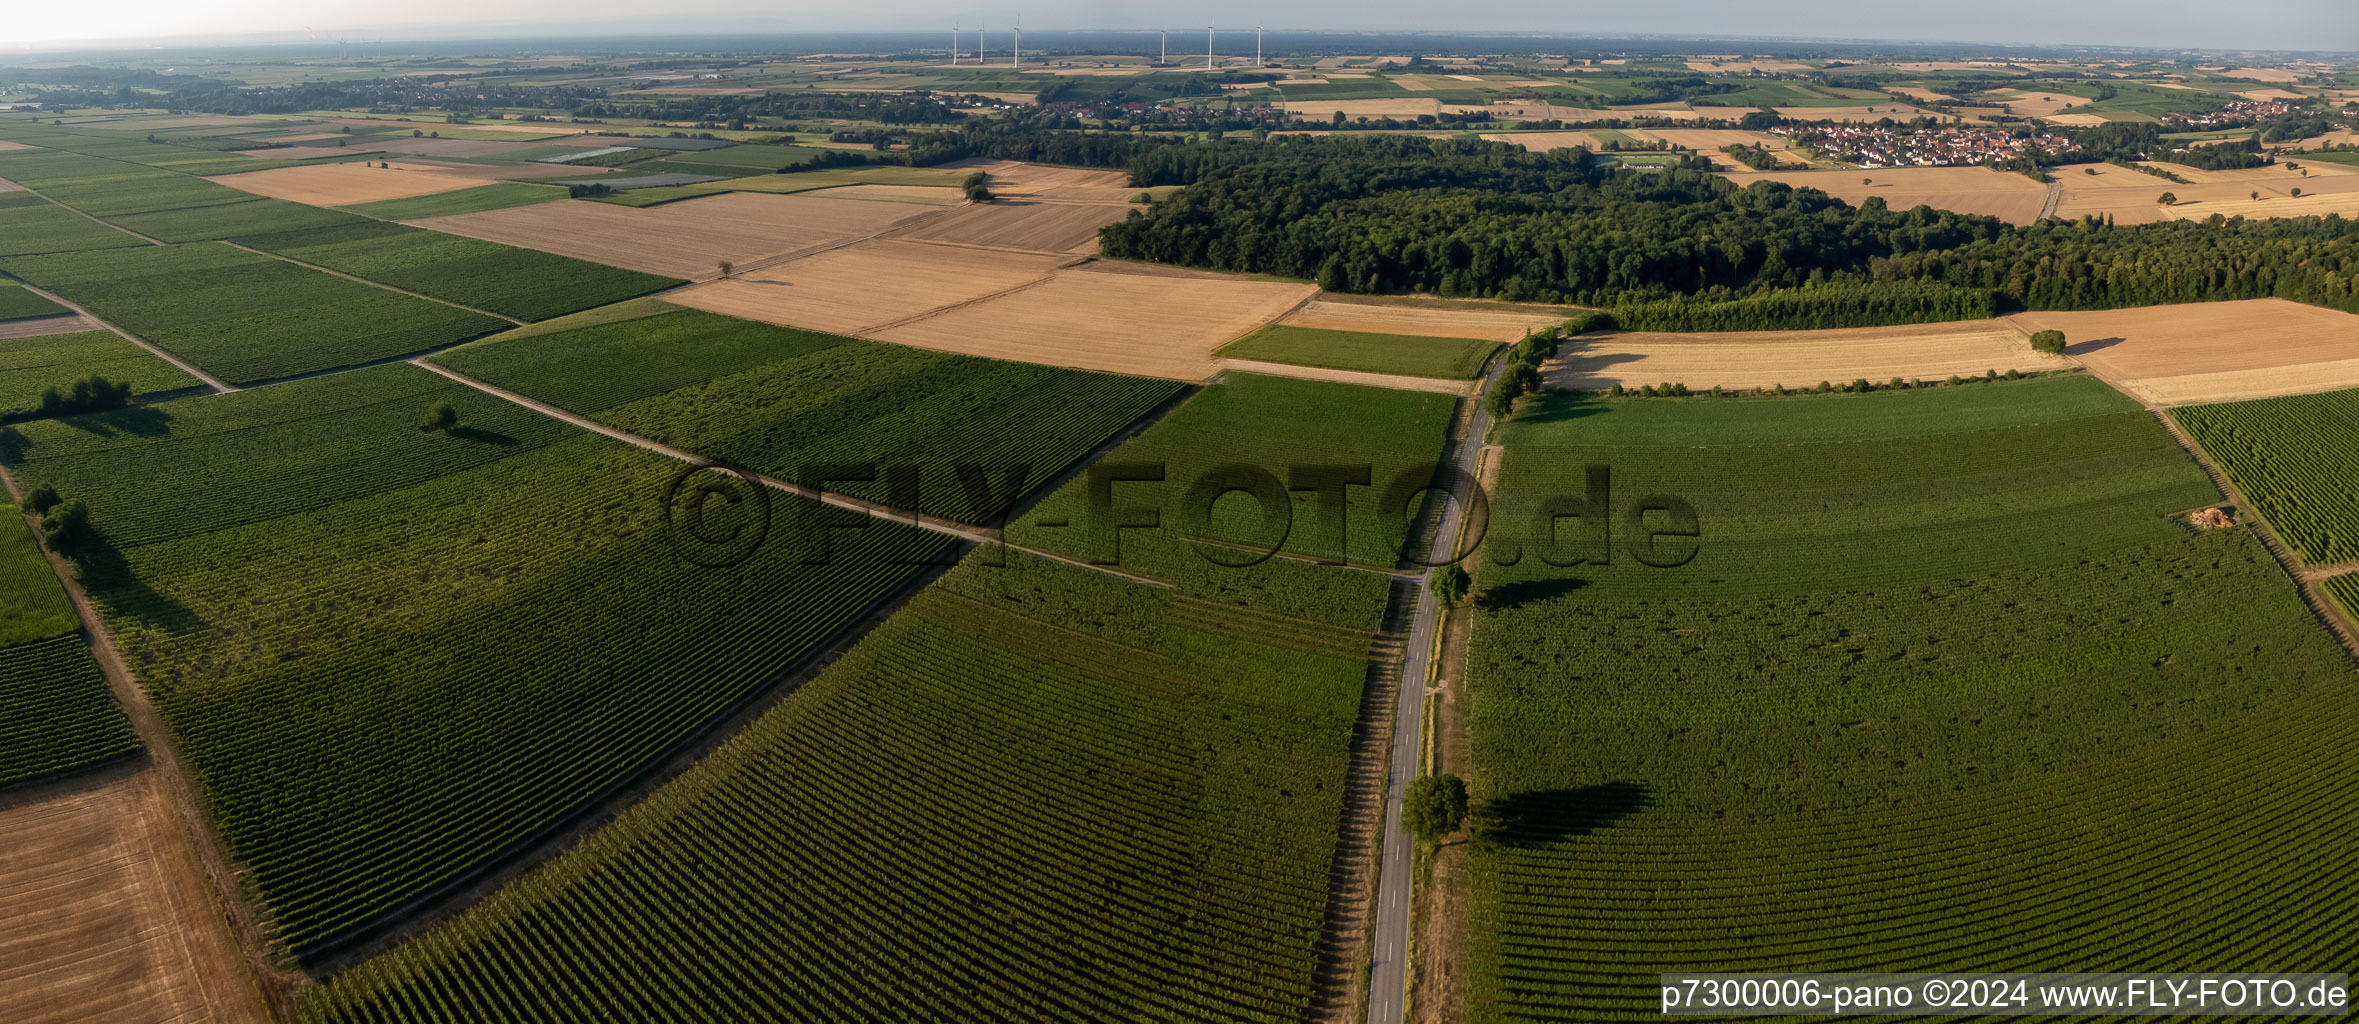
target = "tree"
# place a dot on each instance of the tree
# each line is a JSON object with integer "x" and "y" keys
{"x": 727, "y": 268}
{"x": 443, "y": 416}
{"x": 2168, "y": 199}
{"x": 976, "y": 189}
{"x": 66, "y": 527}
{"x": 2297, "y": 191}
{"x": 1434, "y": 807}
{"x": 2049, "y": 341}
{"x": 2256, "y": 195}
{"x": 42, "y": 499}
{"x": 1450, "y": 583}
{"x": 1867, "y": 181}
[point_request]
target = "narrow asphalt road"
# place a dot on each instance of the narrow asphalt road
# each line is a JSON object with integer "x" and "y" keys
{"x": 1388, "y": 963}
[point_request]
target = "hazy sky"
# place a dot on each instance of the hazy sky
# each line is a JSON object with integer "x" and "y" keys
{"x": 2269, "y": 24}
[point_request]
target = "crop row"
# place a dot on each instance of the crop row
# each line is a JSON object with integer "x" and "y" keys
{"x": 976, "y": 814}
{"x": 243, "y": 316}
{"x": 1963, "y": 699}
{"x": 392, "y": 654}
{"x": 55, "y": 712}
{"x": 18, "y": 303}
{"x": 30, "y": 224}
{"x": 2295, "y": 458}
{"x": 31, "y": 365}
{"x": 527, "y": 284}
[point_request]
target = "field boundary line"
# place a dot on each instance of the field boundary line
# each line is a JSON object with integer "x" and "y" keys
{"x": 768, "y": 260}
{"x": 973, "y": 534}
{"x": 265, "y": 986}
{"x": 218, "y": 385}
{"x": 1364, "y": 378}
{"x": 372, "y": 284}
{"x": 977, "y": 300}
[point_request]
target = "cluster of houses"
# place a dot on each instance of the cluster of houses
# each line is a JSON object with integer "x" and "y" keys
{"x": 2233, "y": 115}
{"x": 1943, "y": 146}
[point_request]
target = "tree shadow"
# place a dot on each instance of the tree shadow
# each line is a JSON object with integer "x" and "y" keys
{"x": 2082, "y": 348}
{"x": 1523, "y": 592}
{"x": 110, "y": 581}
{"x": 1543, "y": 816}
{"x": 1559, "y": 408}
{"x": 137, "y": 421}
{"x": 482, "y": 435}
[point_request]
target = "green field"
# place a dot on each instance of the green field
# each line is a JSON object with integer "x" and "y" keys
{"x": 1452, "y": 358}
{"x": 777, "y": 399}
{"x": 17, "y": 303}
{"x": 205, "y": 223}
{"x": 55, "y": 712}
{"x": 1272, "y": 424}
{"x": 2348, "y": 158}
{"x": 390, "y": 654}
{"x": 527, "y": 284}
{"x": 1940, "y": 680}
{"x": 30, "y": 365}
{"x": 243, "y": 316}
{"x": 2297, "y": 459}
{"x": 466, "y": 200}
{"x": 30, "y": 225}
{"x": 1036, "y": 793}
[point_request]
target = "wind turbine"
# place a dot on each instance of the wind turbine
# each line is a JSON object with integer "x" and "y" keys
{"x": 1207, "y": 47}
{"x": 1016, "y": 59}
{"x": 1163, "y": 55}
{"x": 1257, "y": 46}
{"x": 954, "y": 44}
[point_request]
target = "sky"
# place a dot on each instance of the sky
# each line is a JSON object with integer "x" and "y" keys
{"x": 2264, "y": 24}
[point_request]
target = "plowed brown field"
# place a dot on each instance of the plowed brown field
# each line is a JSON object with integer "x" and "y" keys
{"x": 105, "y": 917}
{"x": 857, "y": 288}
{"x": 1129, "y": 320}
{"x": 684, "y": 239}
{"x": 2212, "y": 351}
{"x": 344, "y": 184}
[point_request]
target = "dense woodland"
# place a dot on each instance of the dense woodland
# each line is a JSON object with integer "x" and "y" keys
{"x": 1458, "y": 217}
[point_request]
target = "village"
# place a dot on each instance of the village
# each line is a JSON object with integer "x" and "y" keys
{"x": 1871, "y": 145}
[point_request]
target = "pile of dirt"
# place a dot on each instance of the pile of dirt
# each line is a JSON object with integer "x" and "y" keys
{"x": 2214, "y": 519}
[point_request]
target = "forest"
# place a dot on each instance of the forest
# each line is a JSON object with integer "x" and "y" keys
{"x": 1468, "y": 218}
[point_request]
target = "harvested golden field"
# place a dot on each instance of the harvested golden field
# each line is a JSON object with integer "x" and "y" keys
{"x": 1436, "y": 319}
{"x": 2263, "y": 75}
{"x": 860, "y": 288}
{"x": 1710, "y": 142}
{"x": 2032, "y": 103}
{"x": 9, "y": 147}
{"x": 2269, "y": 94}
{"x": 105, "y": 916}
{"x": 2129, "y": 196}
{"x": 1750, "y": 359}
{"x": 1919, "y": 95}
{"x": 1867, "y": 113}
{"x": 1541, "y": 142}
{"x": 2212, "y": 351}
{"x": 924, "y": 195}
{"x": 1115, "y": 318}
{"x": 2259, "y": 176}
{"x": 2075, "y": 120}
{"x": 1029, "y": 226}
{"x": 344, "y": 184}
{"x": 2010, "y": 197}
{"x": 1402, "y": 108}
{"x": 1008, "y": 179}
{"x": 684, "y": 239}
{"x": 1363, "y": 379}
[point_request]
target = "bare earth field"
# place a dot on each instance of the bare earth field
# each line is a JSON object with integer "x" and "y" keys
{"x": 2263, "y": 75}
{"x": 684, "y": 239}
{"x": 927, "y": 195}
{"x": 1123, "y": 320}
{"x": 2212, "y": 351}
{"x": 1421, "y": 321}
{"x": 344, "y": 184}
{"x": 1032, "y": 227}
{"x": 47, "y": 325}
{"x": 10, "y": 186}
{"x": 9, "y": 147}
{"x": 2010, "y": 197}
{"x": 105, "y": 916}
{"x": 1008, "y": 179}
{"x": 1751, "y": 359}
{"x": 859, "y": 288}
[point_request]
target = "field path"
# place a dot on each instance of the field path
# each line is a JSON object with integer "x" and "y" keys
{"x": 373, "y": 284}
{"x": 1388, "y": 964}
{"x": 1396, "y": 382}
{"x": 176, "y": 878}
{"x": 94, "y": 220}
{"x": 2055, "y": 196}
{"x": 218, "y": 385}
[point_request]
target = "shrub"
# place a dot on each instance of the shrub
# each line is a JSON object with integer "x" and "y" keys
{"x": 42, "y": 499}
{"x": 2049, "y": 341}
{"x": 1450, "y": 583}
{"x": 976, "y": 190}
{"x": 443, "y": 416}
{"x": 66, "y": 527}
{"x": 1435, "y": 806}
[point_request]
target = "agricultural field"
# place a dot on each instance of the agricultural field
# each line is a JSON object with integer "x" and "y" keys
{"x": 31, "y": 365}
{"x": 1110, "y": 317}
{"x": 243, "y": 316}
{"x": 478, "y": 199}
{"x": 344, "y": 184}
{"x": 2296, "y": 459}
{"x": 1913, "y": 692}
{"x": 59, "y": 716}
{"x": 778, "y": 400}
{"x": 1125, "y": 797}
{"x": 31, "y": 225}
{"x": 1993, "y": 193}
{"x": 1766, "y": 359}
{"x": 527, "y": 284}
{"x": 18, "y": 303}
{"x": 493, "y": 672}
{"x": 1055, "y": 227}
{"x": 2211, "y": 351}
{"x": 1274, "y": 424}
{"x": 1451, "y": 358}
{"x": 685, "y": 239}
{"x": 863, "y": 287}
{"x": 2132, "y": 197}
{"x": 1429, "y": 318}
